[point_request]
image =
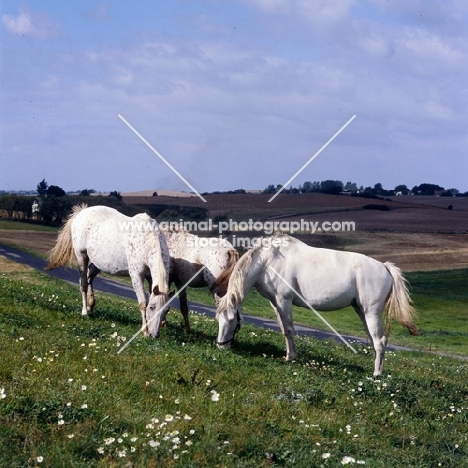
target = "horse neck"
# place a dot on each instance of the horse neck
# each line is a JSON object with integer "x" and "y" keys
{"x": 257, "y": 268}
{"x": 250, "y": 276}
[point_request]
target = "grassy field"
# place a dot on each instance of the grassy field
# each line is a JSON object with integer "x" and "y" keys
{"x": 68, "y": 399}
{"x": 25, "y": 226}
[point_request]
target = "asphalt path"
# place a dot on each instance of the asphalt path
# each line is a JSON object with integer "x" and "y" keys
{"x": 118, "y": 289}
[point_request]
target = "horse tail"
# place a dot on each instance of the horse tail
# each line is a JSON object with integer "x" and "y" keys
{"x": 62, "y": 253}
{"x": 399, "y": 304}
{"x": 221, "y": 283}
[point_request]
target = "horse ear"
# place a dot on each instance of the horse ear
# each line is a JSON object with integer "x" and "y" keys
{"x": 217, "y": 298}
{"x": 156, "y": 291}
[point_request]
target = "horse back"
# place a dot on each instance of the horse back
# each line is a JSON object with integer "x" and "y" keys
{"x": 330, "y": 279}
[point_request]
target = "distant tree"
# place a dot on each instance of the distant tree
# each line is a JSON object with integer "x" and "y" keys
{"x": 7, "y": 203}
{"x": 331, "y": 186}
{"x": 269, "y": 189}
{"x": 42, "y": 188}
{"x": 428, "y": 189}
{"x": 55, "y": 191}
{"x": 85, "y": 193}
{"x": 316, "y": 186}
{"x": 55, "y": 208}
{"x": 307, "y": 187}
{"x": 24, "y": 205}
{"x": 402, "y": 188}
{"x": 116, "y": 195}
{"x": 155, "y": 194}
{"x": 378, "y": 188}
{"x": 447, "y": 193}
{"x": 351, "y": 187}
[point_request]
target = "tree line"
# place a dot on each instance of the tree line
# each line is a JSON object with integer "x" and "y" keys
{"x": 52, "y": 205}
{"x": 338, "y": 187}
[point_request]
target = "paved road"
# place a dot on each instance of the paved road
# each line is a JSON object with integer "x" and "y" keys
{"x": 113, "y": 287}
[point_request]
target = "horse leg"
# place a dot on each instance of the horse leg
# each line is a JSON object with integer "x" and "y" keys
{"x": 283, "y": 310}
{"x": 83, "y": 261}
{"x": 184, "y": 307}
{"x": 372, "y": 320}
{"x": 139, "y": 288}
{"x": 93, "y": 271}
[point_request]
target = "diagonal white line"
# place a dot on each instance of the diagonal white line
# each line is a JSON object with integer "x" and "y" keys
{"x": 163, "y": 307}
{"x": 161, "y": 157}
{"x": 313, "y": 310}
{"x": 312, "y": 158}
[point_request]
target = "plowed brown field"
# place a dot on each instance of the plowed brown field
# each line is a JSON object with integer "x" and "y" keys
{"x": 417, "y": 233}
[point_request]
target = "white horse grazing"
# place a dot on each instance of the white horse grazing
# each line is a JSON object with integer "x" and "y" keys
{"x": 103, "y": 239}
{"x": 327, "y": 280}
{"x": 189, "y": 253}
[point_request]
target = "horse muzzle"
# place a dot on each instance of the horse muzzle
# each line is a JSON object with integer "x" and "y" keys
{"x": 225, "y": 344}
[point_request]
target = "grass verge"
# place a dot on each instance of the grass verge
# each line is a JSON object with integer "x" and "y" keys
{"x": 69, "y": 399}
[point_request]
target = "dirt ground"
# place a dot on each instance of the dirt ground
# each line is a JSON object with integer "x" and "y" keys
{"x": 8, "y": 266}
{"x": 416, "y": 233}
{"x": 37, "y": 241}
{"x": 409, "y": 251}
{"x": 414, "y": 251}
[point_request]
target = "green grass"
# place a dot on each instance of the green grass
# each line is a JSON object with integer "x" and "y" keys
{"x": 26, "y": 226}
{"x": 69, "y": 397}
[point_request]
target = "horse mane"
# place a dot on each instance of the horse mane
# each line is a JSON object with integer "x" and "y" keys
{"x": 235, "y": 289}
{"x": 220, "y": 285}
{"x": 155, "y": 238}
{"x": 62, "y": 253}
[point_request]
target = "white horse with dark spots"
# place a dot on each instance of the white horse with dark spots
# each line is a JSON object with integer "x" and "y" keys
{"x": 285, "y": 268}
{"x": 189, "y": 254}
{"x": 100, "y": 239}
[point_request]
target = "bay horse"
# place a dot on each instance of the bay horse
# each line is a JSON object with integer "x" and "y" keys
{"x": 286, "y": 271}
{"x": 189, "y": 253}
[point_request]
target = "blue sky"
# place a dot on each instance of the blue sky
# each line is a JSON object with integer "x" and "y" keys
{"x": 234, "y": 94}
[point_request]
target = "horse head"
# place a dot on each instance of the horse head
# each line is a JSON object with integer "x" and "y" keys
{"x": 230, "y": 322}
{"x": 156, "y": 310}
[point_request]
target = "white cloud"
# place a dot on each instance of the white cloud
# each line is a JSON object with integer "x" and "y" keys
{"x": 217, "y": 105}
{"x": 429, "y": 46}
{"x": 30, "y": 24}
